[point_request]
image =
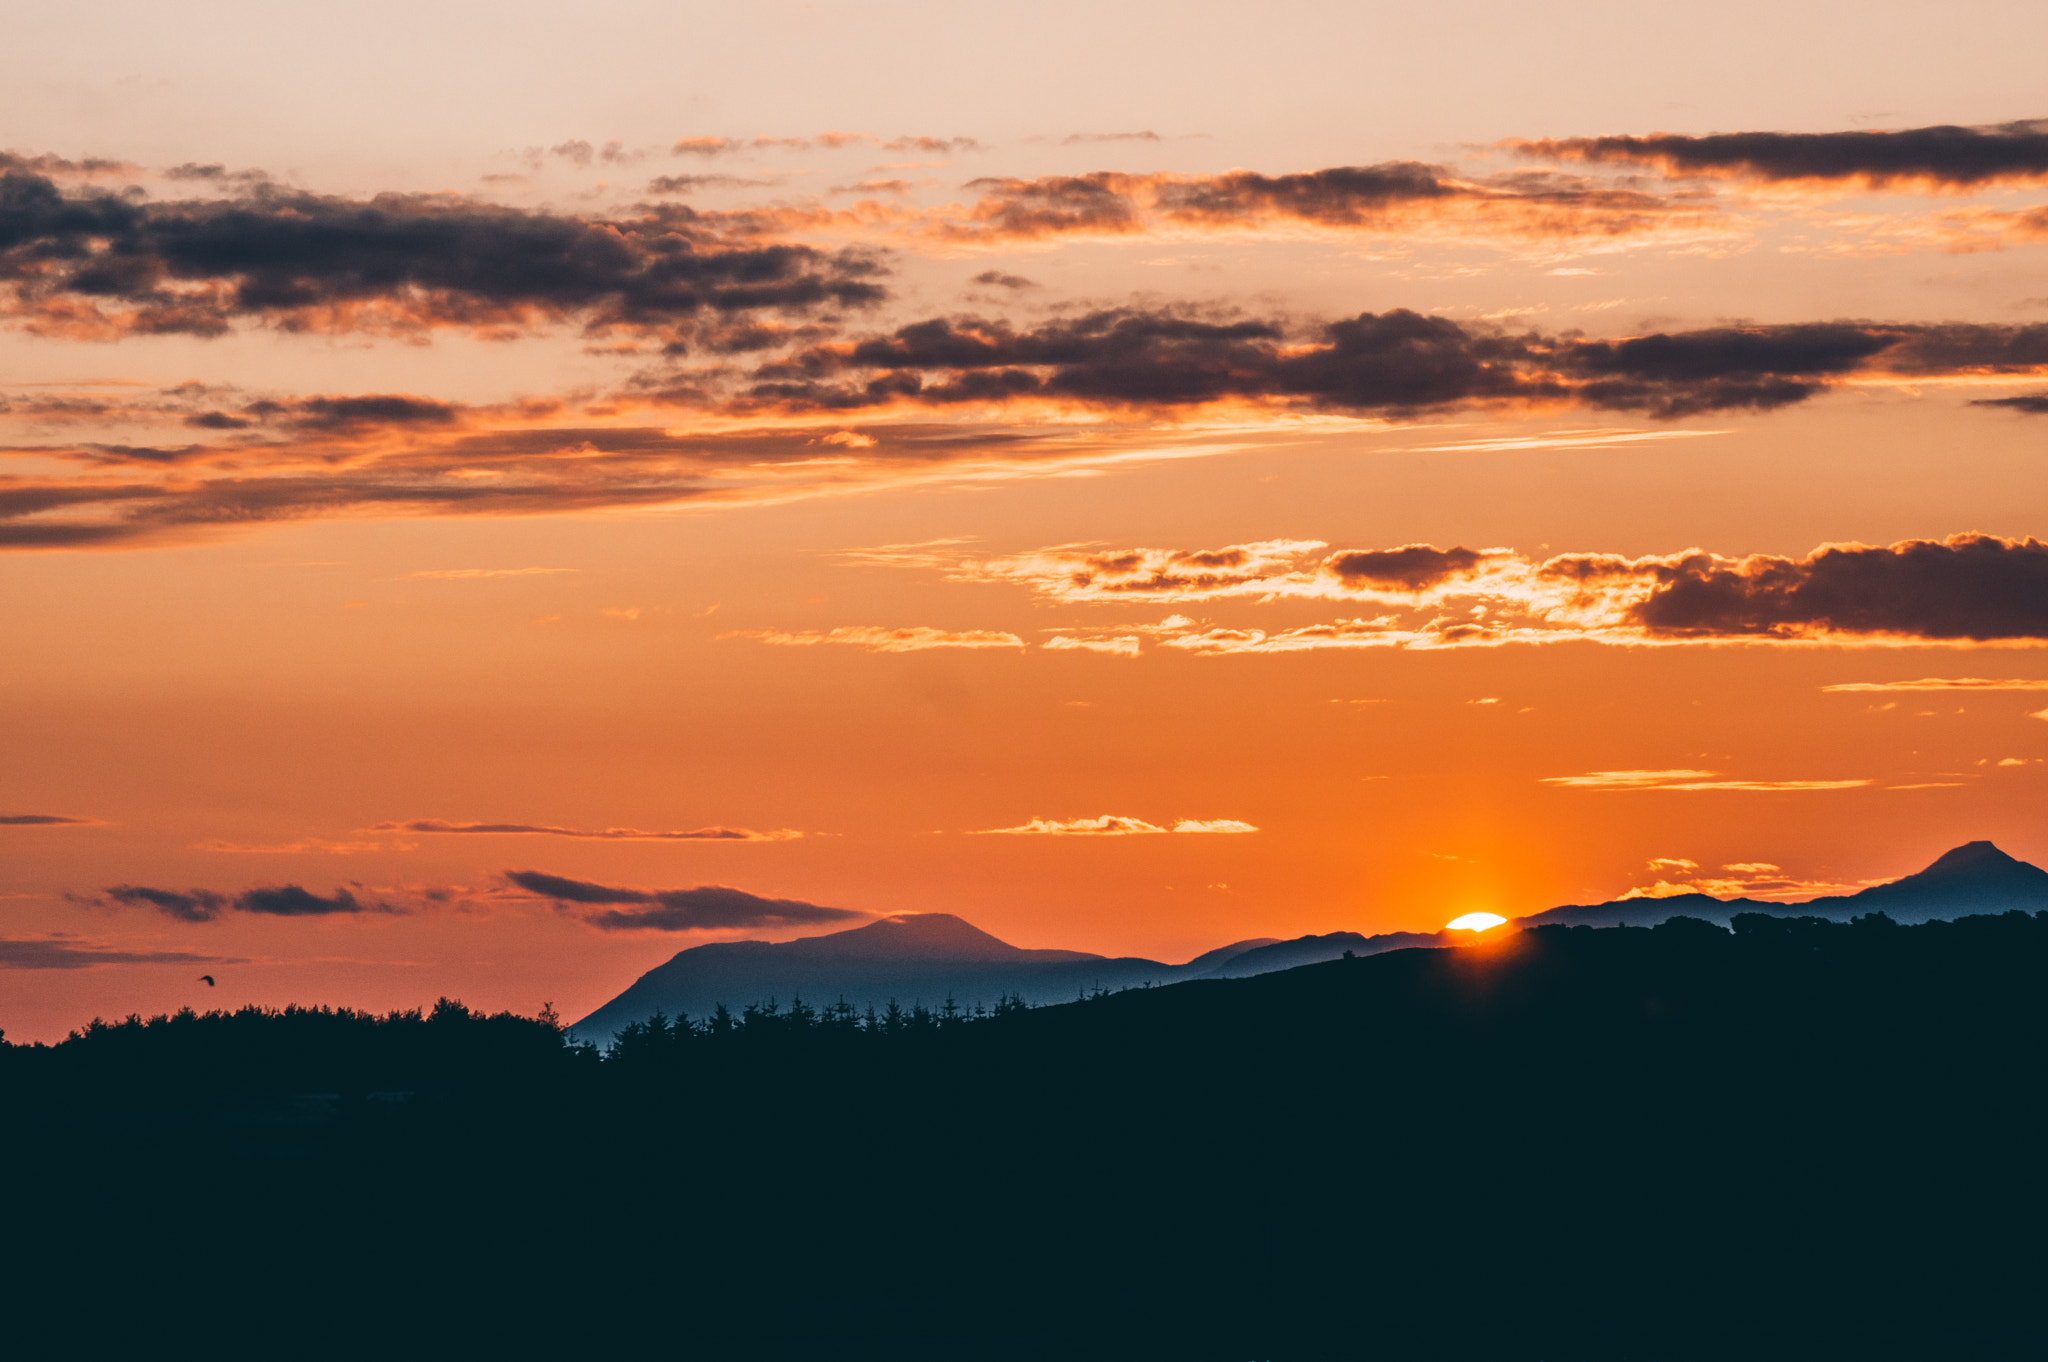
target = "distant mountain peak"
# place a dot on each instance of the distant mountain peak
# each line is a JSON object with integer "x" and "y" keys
{"x": 1968, "y": 856}
{"x": 1975, "y": 872}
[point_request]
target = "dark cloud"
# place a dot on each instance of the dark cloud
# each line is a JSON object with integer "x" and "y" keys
{"x": 1394, "y": 195}
{"x": 47, "y": 954}
{"x": 303, "y": 261}
{"x": 997, "y": 279}
{"x": 1948, "y": 157}
{"x": 291, "y": 901}
{"x": 690, "y": 184}
{"x": 1341, "y": 195}
{"x": 203, "y": 905}
{"x": 194, "y": 905}
{"x": 1395, "y": 361}
{"x": 88, "y": 167}
{"x": 41, "y": 820}
{"x": 2030, "y": 404}
{"x": 384, "y": 409}
{"x": 1969, "y": 586}
{"x": 706, "y": 908}
{"x": 1413, "y": 567}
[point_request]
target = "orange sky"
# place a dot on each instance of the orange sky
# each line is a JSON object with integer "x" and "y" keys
{"x": 1424, "y": 525}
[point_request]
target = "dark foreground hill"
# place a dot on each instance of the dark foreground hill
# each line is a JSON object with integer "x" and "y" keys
{"x": 929, "y": 958}
{"x": 1795, "y": 1139}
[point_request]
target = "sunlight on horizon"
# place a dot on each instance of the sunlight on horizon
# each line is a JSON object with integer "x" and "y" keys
{"x": 1474, "y": 922}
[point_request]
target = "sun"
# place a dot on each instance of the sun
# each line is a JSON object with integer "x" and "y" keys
{"x": 1474, "y": 922}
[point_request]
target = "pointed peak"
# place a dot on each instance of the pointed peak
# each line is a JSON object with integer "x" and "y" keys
{"x": 911, "y": 936}
{"x": 1968, "y": 856}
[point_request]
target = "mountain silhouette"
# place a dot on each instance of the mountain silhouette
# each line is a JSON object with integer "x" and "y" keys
{"x": 929, "y": 957}
{"x": 908, "y": 959}
{"x": 1975, "y": 877}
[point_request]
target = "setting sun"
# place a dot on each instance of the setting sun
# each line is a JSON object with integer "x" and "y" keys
{"x": 1474, "y": 922}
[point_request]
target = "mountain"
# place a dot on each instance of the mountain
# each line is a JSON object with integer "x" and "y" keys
{"x": 1976, "y": 877}
{"x": 930, "y": 957}
{"x": 908, "y": 959}
{"x": 1973, "y": 878}
{"x": 1313, "y": 950}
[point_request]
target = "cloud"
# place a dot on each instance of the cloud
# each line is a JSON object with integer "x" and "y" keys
{"x": 1966, "y": 588}
{"x": 954, "y": 398}
{"x": 877, "y": 639}
{"x": 1121, "y": 645}
{"x": 88, "y": 168}
{"x": 1396, "y": 198}
{"x": 44, "y": 820}
{"x": 1110, "y": 825}
{"x": 1391, "y": 363}
{"x": 1973, "y": 587}
{"x": 62, "y": 954}
{"x": 1939, "y": 683}
{"x": 204, "y": 905}
{"x": 2027, "y": 404}
{"x": 718, "y": 834}
{"x": 1934, "y": 158}
{"x": 1689, "y": 781}
{"x": 1744, "y": 879}
{"x": 708, "y": 907}
{"x": 1074, "y": 139}
{"x": 998, "y": 279}
{"x": 98, "y": 265}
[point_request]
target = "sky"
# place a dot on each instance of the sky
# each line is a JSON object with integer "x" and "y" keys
{"x": 491, "y": 496}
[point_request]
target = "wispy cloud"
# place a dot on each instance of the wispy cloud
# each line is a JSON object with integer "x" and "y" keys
{"x": 879, "y": 639}
{"x": 45, "y": 820}
{"x": 68, "y": 954}
{"x": 1939, "y": 683}
{"x": 1111, "y": 825}
{"x": 1689, "y": 780}
{"x": 1743, "y": 879}
{"x": 712, "y": 834}
{"x": 205, "y": 905}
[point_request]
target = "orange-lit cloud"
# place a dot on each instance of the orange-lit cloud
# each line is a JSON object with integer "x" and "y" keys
{"x": 1966, "y": 588}
{"x": 878, "y": 639}
{"x": 1940, "y": 683}
{"x": 1688, "y": 780}
{"x": 1746, "y": 879}
{"x": 1111, "y": 825}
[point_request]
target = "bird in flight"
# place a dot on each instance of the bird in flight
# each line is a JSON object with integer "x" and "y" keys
{"x": 206, "y": 979}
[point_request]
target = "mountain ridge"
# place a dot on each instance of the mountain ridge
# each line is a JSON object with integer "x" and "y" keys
{"x": 927, "y": 958}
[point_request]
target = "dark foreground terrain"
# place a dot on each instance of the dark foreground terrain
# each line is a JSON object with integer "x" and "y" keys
{"x": 1800, "y": 1138}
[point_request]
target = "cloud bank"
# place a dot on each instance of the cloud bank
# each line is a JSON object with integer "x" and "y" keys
{"x": 708, "y": 907}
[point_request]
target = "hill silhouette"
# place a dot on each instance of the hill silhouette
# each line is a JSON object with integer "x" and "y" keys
{"x": 911, "y": 959}
{"x": 927, "y": 958}
{"x": 1795, "y": 1138}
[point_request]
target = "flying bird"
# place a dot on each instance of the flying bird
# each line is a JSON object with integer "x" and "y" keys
{"x": 206, "y": 979}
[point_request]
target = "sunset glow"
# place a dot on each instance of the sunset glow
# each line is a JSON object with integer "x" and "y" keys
{"x": 482, "y": 514}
